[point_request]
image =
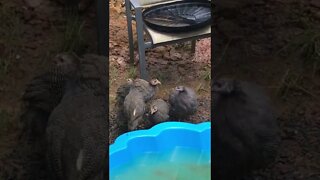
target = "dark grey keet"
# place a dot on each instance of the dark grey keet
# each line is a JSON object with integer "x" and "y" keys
{"x": 183, "y": 103}
{"x": 122, "y": 92}
{"x": 245, "y": 131}
{"x": 158, "y": 111}
{"x": 147, "y": 89}
{"x": 45, "y": 92}
{"x": 77, "y": 128}
{"x": 134, "y": 108}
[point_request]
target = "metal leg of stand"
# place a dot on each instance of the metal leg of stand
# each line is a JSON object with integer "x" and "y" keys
{"x": 141, "y": 45}
{"x": 193, "y": 46}
{"x": 130, "y": 34}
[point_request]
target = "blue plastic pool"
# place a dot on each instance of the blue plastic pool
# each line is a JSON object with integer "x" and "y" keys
{"x": 167, "y": 151}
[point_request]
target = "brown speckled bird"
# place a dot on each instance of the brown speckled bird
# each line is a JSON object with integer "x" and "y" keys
{"x": 183, "y": 103}
{"x": 245, "y": 130}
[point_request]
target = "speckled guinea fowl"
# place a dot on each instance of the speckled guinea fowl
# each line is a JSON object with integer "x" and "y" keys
{"x": 147, "y": 89}
{"x": 158, "y": 111}
{"x": 245, "y": 131}
{"x": 183, "y": 103}
{"x": 134, "y": 108}
{"x": 44, "y": 93}
{"x": 77, "y": 128}
{"x": 122, "y": 92}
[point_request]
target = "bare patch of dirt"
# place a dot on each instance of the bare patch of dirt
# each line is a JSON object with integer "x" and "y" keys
{"x": 32, "y": 32}
{"x": 267, "y": 42}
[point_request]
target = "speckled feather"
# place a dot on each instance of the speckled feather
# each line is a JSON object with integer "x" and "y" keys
{"x": 85, "y": 130}
{"x": 44, "y": 93}
{"x": 145, "y": 88}
{"x": 122, "y": 92}
{"x": 134, "y": 108}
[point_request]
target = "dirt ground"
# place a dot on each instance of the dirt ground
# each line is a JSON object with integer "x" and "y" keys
{"x": 173, "y": 65}
{"x": 250, "y": 48}
{"x": 31, "y": 33}
{"x": 276, "y": 44}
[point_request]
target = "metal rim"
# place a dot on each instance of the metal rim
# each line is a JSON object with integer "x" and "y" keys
{"x": 162, "y": 28}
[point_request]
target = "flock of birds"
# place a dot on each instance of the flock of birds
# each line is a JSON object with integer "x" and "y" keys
{"x": 245, "y": 132}
{"x": 67, "y": 106}
{"x": 136, "y": 103}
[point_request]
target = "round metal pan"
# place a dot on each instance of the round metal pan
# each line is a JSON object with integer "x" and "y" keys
{"x": 178, "y": 17}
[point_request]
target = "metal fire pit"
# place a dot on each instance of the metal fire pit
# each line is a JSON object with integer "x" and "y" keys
{"x": 178, "y": 17}
{"x": 191, "y": 22}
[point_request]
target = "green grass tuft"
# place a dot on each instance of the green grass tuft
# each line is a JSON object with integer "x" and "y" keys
{"x": 132, "y": 72}
{"x": 73, "y": 40}
{"x": 206, "y": 74}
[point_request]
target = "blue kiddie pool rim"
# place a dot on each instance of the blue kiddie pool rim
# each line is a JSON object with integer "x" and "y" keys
{"x": 125, "y": 142}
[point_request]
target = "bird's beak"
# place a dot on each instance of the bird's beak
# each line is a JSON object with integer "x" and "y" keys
{"x": 152, "y": 111}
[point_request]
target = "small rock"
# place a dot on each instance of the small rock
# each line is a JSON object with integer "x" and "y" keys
{"x": 176, "y": 56}
{"x": 182, "y": 64}
{"x": 160, "y": 49}
{"x": 18, "y": 56}
{"x": 166, "y": 55}
{"x": 162, "y": 62}
{"x": 121, "y": 61}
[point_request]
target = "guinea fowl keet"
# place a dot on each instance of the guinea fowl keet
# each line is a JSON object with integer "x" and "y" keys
{"x": 158, "y": 111}
{"x": 134, "y": 108}
{"x": 122, "y": 92}
{"x": 183, "y": 103}
{"x": 245, "y": 131}
{"x": 147, "y": 89}
{"x": 45, "y": 92}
